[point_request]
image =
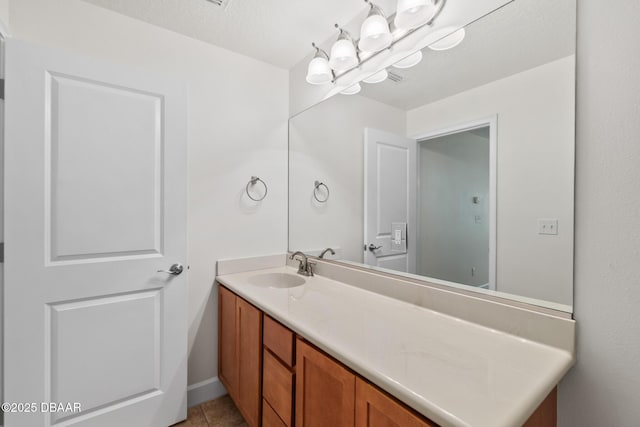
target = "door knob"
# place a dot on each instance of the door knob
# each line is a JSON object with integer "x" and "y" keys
{"x": 175, "y": 269}
{"x": 373, "y": 247}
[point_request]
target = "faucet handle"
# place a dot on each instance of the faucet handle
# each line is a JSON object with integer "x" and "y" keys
{"x": 310, "y": 264}
{"x": 303, "y": 262}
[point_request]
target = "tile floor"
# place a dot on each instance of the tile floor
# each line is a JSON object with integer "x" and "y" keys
{"x": 220, "y": 412}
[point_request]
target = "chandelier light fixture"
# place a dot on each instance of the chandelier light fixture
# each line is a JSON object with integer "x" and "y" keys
{"x": 378, "y": 33}
{"x": 409, "y": 61}
{"x": 448, "y": 41}
{"x": 352, "y": 90}
{"x": 374, "y": 33}
{"x": 319, "y": 72}
{"x": 412, "y": 14}
{"x": 343, "y": 52}
{"x": 378, "y": 77}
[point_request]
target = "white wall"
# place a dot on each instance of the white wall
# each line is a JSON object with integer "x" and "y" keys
{"x": 452, "y": 244}
{"x": 327, "y": 144}
{"x": 237, "y": 128}
{"x": 603, "y": 388}
{"x": 535, "y": 112}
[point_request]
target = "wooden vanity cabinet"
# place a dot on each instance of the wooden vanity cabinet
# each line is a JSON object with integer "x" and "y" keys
{"x": 374, "y": 408}
{"x": 325, "y": 390}
{"x": 240, "y": 350}
{"x": 227, "y": 333}
{"x": 547, "y": 413}
{"x": 328, "y": 394}
{"x": 278, "y": 379}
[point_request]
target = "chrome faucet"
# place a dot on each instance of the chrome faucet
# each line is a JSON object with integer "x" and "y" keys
{"x": 327, "y": 250}
{"x": 306, "y": 267}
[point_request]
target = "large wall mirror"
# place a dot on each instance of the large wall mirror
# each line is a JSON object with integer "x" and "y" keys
{"x": 458, "y": 169}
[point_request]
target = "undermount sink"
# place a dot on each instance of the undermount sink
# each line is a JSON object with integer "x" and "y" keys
{"x": 276, "y": 280}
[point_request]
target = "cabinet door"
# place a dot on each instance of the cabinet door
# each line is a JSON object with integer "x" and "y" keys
{"x": 249, "y": 326}
{"x": 227, "y": 351}
{"x": 325, "y": 391}
{"x": 547, "y": 413}
{"x": 375, "y": 409}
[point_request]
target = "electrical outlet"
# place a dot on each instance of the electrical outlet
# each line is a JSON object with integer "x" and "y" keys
{"x": 548, "y": 226}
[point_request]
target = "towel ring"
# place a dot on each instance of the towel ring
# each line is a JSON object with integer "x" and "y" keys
{"x": 253, "y": 181}
{"x": 319, "y": 184}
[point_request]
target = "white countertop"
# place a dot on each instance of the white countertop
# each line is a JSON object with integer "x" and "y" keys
{"x": 454, "y": 372}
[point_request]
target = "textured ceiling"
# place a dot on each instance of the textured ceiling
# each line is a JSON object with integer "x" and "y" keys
{"x": 279, "y": 32}
{"x": 519, "y": 36}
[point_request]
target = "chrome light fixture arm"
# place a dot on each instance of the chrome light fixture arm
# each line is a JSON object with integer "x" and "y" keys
{"x": 375, "y": 9}
{"x": 321, "y": 53}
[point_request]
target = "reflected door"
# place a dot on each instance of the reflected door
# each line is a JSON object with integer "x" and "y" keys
{"x": 95, "y": 206}
{"x": 389, "y": 201}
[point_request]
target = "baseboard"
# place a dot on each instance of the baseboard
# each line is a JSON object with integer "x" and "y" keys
{"x": 204, "y": 391}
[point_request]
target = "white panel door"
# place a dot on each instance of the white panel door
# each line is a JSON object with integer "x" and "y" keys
{"x": 95, "y": 206}
{"x": 389, "y": 197}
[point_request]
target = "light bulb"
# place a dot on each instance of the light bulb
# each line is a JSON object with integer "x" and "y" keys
{"x": 319, "y": 71}
{"x": 352, "y": 90}
{"x": 409, "y": 61}
{"x": 343, "y": 53}
{"x": 448, "y": 41}
{"x": 378, "y": 77}
{"x": 414, "y": 13}
{"x": 374, "y": 33}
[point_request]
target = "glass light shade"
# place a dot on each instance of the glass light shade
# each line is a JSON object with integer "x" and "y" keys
{"x": 343, "y": 55}
{"x": 450, "y": 41}
{"x": 378, "y": 77}
{"x": 352, "y": 90}
{"x": 374, "y": 34}
{"x": 319, "y": 72}
{"x": 409, "y": 61}
{"x": 414, "y": 13}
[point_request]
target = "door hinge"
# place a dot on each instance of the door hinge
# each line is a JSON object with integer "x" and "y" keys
{"x": 1, "y": 252}
{"x": 1, "y": 88}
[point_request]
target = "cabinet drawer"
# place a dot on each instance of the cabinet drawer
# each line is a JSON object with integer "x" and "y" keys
{"x": 277, "y": 387}
{"x": 269, "y": 416}
{"x": 279, "y": 340}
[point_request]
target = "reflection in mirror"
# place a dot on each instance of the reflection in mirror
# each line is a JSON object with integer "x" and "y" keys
{"x": 454, "y": 185}
{"x": 458, "y": 169}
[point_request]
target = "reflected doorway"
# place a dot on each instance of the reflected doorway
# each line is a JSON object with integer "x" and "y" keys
{"x": 456, "y": 205}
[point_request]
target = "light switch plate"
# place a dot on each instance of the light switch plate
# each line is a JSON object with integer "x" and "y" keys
{"x": 548, "y": 226}
{"x": 398, "y": 246}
